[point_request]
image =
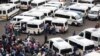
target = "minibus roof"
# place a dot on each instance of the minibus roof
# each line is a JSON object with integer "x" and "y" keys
{"x": 96, "y": 33}
{"x": 48, "y": 18}
{"x": 52, "y": 5}
{"x": 95, "y": 8}
{"x": 78, "y": 6}
{"x": 26, "y": 19}
{"x": 55, "y": 2}
{"x": 94, "y": 53}
{"x": 32, "y": 13}
{"x": 6, "y": 6}
{"x": 36, "y": 22}
{"x": 25, "y": 0}
{"x": 59, "y": 20}
{"x": 23, "y": 17}
{"x": 38, "y": 1}
{"x": 89, "y": 29}
{"x": 60, "y": 43}
{"x": 87, "y": 4}
{"x": 80, "y": 40}
{"x": 49, "y": 7}
{"x": 66, "y": 12}
{"x": 98, "y": 5}
{"x": 43, "y": 9}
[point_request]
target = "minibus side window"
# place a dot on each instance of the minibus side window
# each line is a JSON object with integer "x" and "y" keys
{"x": 68, "y": 17}
{"x": 14, "y": 19}
{"x": 18, "y": 19}
{"x": 0, "y": 12}
{"x": 37, "y": 17}
{"x": 88, "y": 35}
{"x": 73, "y": 18}
{"x": 78, "y": 10}
{"x": 4, "y": 12}
{"x": 41, "y": 25}
{"x": 94, "y": 38}
{"x": 65, "y": 23}
{"x": 51, "y": 43}
{"x": 81, "y": 34}
{"x": 8, "y": 10}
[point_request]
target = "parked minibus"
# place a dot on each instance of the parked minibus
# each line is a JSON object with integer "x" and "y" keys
{"x": 61, "y": 24}
{"x": 25, "y": 4}
{"x": 81, "y": 43}
{"x": 94, "y": 53}
{"x": 35, "y": 27}
{"x": 7, "y": 11}
{"x": 73, "y": 17}
{"x": 82, "y": 7}
{"x": 92, "y": 34}
{"x": 48, "y": 20}
{"x": 94, "y": 13}
{"x": 60, "y": 46}
{"x": 36, "y": 3}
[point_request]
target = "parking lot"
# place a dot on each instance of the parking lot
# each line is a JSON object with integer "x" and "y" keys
{"x": 40, "y": 39}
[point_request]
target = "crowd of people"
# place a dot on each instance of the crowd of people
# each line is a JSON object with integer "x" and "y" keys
{"x": 12, "y": 45}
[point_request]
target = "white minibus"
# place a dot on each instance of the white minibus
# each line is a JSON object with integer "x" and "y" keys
{"x": 94, "y": 13}
{"x": 82, "y": 7}
{"x": 35, "y": 27}
{"x": 25, "y": 4}
{"x": 81, "y": 43}
{"x": 7, "y": 11}
{"x": 61, "y": 24}
{"x": 73, "y": 17}
{"x": 92, "y": 34}
{"x": 48, "y": 20}
{"x": 60, "y": 46}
